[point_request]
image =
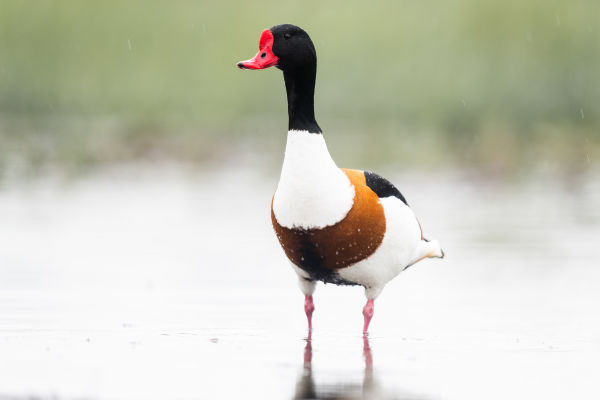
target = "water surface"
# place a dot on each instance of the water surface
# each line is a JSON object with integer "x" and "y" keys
{"x": 152, "y": 284}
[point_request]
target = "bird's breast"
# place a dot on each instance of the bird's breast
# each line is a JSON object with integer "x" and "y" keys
{"x": 322, "y": 251}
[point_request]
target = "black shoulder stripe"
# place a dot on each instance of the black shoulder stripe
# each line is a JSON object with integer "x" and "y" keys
{"x": 382, "y": 187}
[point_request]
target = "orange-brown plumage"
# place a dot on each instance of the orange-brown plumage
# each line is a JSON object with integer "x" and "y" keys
{"x": 352, "y": 239}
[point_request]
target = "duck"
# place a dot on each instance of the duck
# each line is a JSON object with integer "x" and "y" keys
{"x": 335, "y": 225}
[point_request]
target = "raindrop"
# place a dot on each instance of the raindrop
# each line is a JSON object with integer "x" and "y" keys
{"x": 581, "y": 111}
{"x": 129, "y": 44}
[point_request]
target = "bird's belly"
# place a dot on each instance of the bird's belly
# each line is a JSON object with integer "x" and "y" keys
{"x": 322, "y": 254}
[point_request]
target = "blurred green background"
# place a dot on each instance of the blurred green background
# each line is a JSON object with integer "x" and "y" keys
{"x": 496, "y": 86}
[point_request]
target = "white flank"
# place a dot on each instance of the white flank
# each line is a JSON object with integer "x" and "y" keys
{"x": 401, "y": 246}
{"x": 312, "y": 192}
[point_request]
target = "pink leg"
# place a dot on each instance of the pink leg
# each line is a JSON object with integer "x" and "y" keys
{"x": 368, "y": 310}
{"x": 309, "y": 307}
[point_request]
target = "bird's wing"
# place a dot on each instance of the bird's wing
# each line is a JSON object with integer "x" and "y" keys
{"x": 382, "y": 187}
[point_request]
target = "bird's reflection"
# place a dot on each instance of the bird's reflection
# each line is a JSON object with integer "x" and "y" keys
{"x": 367, "y": 389}
{"x": 370, "y": 387}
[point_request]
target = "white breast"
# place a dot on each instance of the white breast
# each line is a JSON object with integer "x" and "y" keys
{"x": 312, "y": 192}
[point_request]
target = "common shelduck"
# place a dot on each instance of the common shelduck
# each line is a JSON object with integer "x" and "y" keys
{"x": 336, "y": 225}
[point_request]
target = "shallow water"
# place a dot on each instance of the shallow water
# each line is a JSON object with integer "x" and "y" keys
{"x": 140, "y": 283}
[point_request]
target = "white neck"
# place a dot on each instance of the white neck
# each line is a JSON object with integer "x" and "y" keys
{"x": 312, "y": 192}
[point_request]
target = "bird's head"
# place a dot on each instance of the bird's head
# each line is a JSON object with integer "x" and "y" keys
{"x": 286, "y": 47}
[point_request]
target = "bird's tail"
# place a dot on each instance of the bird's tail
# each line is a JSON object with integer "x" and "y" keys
{"x": 427, "y": 249}
{"x": 433, "y": 249}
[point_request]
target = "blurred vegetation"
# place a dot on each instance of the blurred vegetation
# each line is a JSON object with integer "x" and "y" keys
{"x": 500, "y": 86}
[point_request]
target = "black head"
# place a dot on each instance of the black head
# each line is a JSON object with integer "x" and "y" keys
{"x": 293, "y": 47}
{"x": 286, "y": 46}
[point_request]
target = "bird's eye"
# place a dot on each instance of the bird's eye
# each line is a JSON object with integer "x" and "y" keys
{"x": 263, "y": 55}
{"x": 287, "y": 36}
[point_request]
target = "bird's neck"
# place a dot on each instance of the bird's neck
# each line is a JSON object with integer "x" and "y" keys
{"x": 312, "y": 191}
{"x": 300, "y": 88}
